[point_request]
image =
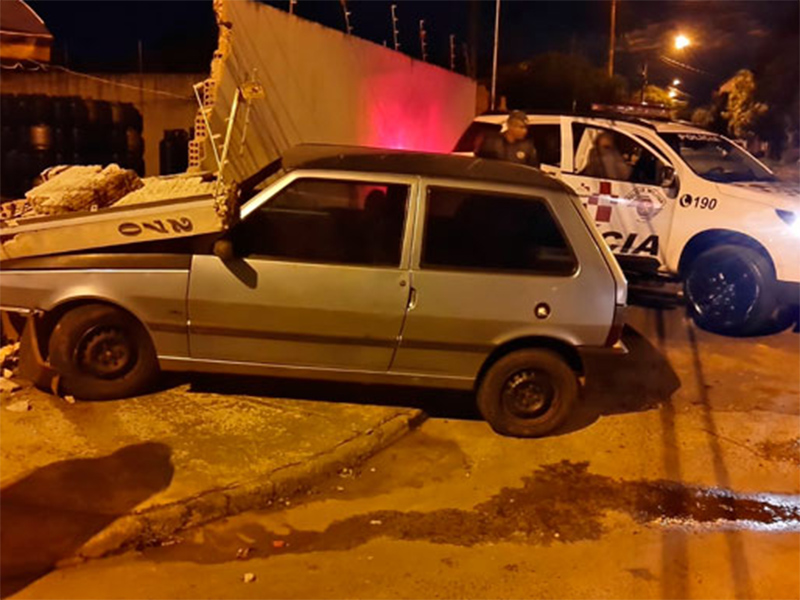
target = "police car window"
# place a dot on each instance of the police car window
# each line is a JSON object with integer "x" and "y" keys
{"x": 474, "y": 135}
{"x": 715, "y": 158}
{"x": 607, "y": 154}
{"x": 466, "y": 230}
{"x": 547, "y": 141}
{"x": 326, "y": 221}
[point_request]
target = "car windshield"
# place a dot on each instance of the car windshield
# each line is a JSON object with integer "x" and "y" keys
{"x": 714, "y": 158}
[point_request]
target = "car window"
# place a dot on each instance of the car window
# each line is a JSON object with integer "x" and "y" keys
{"x": 607, "y": 154}
{"x": 493, "y": 232}
{"x": 547, "y": 141}
{"x": 327, "y": 221}
{"x": 474, "y": 135}
{"x": 714, "y": 158}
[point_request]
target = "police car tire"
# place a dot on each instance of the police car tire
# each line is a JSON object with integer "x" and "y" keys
{"x": 77, "y": 328}
{"x": 494, "y": 409}
{"x": 759, "y": 268}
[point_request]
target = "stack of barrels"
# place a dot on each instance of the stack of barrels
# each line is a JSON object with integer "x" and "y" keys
{"x": 41, "y": 131}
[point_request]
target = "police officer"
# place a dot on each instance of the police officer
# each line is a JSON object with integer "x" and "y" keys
{"x": 512, "y": 144}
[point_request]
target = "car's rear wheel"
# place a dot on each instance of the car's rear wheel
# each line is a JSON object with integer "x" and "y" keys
{"x": 528, "y": 393}
{"x": 102, "y": 353}
{"x": 731, "y": 290}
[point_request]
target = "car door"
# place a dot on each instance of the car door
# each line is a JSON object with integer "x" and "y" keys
{"x": 320, "y": 277}
{"x": 619, "y": 178}
{"x": 485, "y": 261}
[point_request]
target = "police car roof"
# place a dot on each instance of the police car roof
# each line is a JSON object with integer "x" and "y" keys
{"x": 662, "y": 126}
{"x": 381, "y": 160}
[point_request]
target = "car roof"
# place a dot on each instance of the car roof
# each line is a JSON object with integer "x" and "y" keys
{"x": 659, "y": 125}
{"x": 382, "y": 160}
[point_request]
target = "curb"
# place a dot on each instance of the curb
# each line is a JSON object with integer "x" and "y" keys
{"x": 158, "y": 523}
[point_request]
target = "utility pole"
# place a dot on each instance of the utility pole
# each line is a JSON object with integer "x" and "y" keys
{"x": 347, "y": 26}
{"x": 395, "y": 31}
{"x": 452, "y": 52}
{"x": 423, "y": 46}
{"x": 612, "y": 38}
{"x": 291, "y": 6}
{"x": 494, "y": 57}
{"x": 467, "y": 61}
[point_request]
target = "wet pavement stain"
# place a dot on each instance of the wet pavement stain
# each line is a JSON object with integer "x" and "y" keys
{"x": 558, "y": 503}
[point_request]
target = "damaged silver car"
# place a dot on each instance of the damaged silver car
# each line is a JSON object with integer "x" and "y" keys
{"x": 348, "y": 264}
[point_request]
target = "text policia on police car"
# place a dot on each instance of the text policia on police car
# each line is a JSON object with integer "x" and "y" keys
{"x": 670, "y": 198}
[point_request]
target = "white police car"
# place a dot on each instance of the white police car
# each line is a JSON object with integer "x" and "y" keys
{"x": 670, "y": 198}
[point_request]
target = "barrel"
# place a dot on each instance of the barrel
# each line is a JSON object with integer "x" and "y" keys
{"x": 41, "y": 109}
{"x": 173, "y": 151}
{"x": 41, "y": 137}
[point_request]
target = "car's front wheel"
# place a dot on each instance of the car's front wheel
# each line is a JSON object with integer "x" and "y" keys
{"x": 528, "y": 393}
{"x": 102, "y": 353}
{"x": 731, "y": 290}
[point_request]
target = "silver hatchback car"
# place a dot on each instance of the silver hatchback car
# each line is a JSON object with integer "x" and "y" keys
{"x": 353, "y": 264}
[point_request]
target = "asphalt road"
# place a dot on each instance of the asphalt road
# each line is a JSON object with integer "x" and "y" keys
{"x": 679, "y": 477}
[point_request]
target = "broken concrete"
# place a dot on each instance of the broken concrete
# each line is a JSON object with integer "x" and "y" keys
{"x": 73, "y": 188}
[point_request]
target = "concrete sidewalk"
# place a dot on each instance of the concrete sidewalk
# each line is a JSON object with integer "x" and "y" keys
{"x": 86, "y": 479}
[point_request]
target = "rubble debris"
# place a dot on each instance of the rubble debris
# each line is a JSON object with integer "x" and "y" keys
{"x": 155, "y": 189}
{"x": 6, "y": 385}
{"x": 278, "y": 544}
{"x": 9, "y": 356}
{"x": 376, "y": 522}
{"x": 346, "y": 473}
{"x": 69, "y": 399}
{"x": 243, "y": 553}
{"x": 19, "y": 406}
{"x": 69, "y": 188}
{"x": 15, "y": 209}
{"x": 249, "y": 577}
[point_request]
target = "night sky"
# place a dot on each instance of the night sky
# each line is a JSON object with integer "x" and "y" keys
{"x": 181, "y": 35}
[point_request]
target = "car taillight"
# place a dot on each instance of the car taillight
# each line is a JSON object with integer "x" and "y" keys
{"x": 617, "y": 324}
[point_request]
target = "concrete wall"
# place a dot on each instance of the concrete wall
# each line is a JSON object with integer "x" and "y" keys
{"x": 174, "y": 108}
{"x": 324, "y": 86}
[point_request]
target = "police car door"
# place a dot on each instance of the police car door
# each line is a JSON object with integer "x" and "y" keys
{"x": 619, "y": 179}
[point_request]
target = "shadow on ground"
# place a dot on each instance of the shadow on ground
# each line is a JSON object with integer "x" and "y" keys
{"x": 640, "y": 380}
{"x": 49, "y": 514}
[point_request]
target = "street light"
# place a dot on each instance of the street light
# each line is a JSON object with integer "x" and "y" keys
{"x": 681, "y": 41}
{"x": 676, "y": 82}
{"x": 672, "y": 93}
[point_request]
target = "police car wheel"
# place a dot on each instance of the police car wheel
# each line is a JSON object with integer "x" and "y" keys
{"x": 730, "y": 290}
{"x": 102, "y": 353}
{"x": 527, "y": 393}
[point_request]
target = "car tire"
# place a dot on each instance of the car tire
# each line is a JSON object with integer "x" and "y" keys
{"x": 731, "y": 290}
{"x": 528, "y": 393}
{"x": 102, "y": 353}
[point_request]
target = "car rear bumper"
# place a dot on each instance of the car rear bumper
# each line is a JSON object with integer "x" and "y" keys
{"x": 789, "y": 292}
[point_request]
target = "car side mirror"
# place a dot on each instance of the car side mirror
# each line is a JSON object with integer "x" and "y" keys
{"x": 223, "y": 249}
{"x": 667, "y": 176}
{"x": 669, "y": 181}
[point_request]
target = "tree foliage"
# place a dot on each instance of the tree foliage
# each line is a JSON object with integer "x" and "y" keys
{"x": 557, "y": 81}
{"x": 743, "y": 111}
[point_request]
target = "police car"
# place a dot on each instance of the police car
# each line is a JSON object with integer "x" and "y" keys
{"x": 671, "y": 199}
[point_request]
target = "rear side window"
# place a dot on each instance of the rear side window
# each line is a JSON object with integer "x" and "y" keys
{"x": 474, "y": 135}
{"x": 467, "y": 230}
{"x": 547, "y": 141}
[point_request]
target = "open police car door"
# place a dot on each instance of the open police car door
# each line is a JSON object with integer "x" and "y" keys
{"x": 626, "y": 184}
